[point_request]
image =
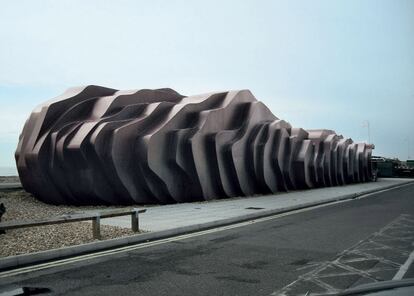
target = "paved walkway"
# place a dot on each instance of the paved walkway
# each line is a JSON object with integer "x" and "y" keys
{"x": 166, "y": 217}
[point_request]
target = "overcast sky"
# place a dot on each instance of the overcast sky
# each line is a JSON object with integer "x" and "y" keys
{"x": 317, "y": 64}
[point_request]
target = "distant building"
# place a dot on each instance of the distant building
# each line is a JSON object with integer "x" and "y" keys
{"x": 386, "y": 167}
{"x": 392, "y": 167}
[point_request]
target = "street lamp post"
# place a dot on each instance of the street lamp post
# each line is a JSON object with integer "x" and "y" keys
{"x": 367, "y": 125}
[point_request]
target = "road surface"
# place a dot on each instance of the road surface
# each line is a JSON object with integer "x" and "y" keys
{"x": 320, "y": 250}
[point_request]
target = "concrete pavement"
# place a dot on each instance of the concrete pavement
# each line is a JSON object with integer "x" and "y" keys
{"x": 321, "y": 250}
{"x": 173, "y": 220}
{"x": 159, "y": 218}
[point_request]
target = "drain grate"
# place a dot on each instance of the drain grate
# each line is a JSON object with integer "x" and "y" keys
{"x": 254, "y": 208}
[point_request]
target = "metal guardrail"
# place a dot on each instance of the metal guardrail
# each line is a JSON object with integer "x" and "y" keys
{"x": 95, "y": 217}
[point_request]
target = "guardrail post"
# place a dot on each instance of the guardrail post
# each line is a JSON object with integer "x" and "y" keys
{"x": 135, "y": 221}
{"x": 96, "y": 227}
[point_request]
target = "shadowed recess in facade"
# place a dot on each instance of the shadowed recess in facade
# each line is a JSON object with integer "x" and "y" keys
{"x": 96, "y": 145}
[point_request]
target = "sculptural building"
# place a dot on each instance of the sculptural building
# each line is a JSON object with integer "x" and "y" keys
{"x": 96, "y": 145}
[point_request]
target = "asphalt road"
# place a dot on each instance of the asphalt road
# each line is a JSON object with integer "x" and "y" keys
{"x": 332, "y": 247}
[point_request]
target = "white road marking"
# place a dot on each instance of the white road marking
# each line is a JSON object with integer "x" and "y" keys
{"x": 404, "y": 268}
{"x": 342, "y": 265}
{"x": 61, "y": 262}
{"x": 99, "y": 254}
{"x": 385, "y": 190}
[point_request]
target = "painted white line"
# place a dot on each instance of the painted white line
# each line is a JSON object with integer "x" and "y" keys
{"x": 385, "y": 190}
{"x": 61, "y": 262}
{"x": 404, "y": 268}
{"x": 99, "y": 254}
{"x": 318, "y": 274}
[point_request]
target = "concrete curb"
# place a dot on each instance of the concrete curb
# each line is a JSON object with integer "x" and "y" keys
{"x": 12, "y": 262}
{"x": 10, "y": 186}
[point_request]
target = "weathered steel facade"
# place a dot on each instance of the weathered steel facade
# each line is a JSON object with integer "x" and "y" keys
{"x": 95, "y": 145}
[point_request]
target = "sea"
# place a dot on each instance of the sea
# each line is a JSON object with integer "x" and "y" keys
{"x": 8, "y": 171}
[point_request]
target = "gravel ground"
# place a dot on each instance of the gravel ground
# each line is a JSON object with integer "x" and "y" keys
{"x": 9, "y": 179}
{"x": 22, "y": 205}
